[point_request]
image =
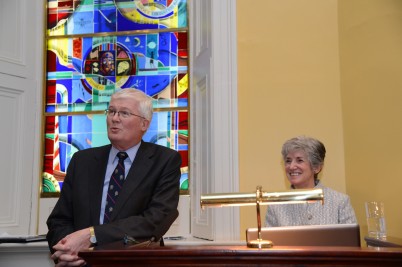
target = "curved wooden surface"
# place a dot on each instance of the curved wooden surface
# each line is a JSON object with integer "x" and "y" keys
{"x": 118, "y": 254}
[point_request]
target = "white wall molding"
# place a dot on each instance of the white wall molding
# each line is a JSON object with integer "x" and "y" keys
{"x": 214, "y": 125}
{"x": 20, "y": 29}
{"x": 21, "y": 76}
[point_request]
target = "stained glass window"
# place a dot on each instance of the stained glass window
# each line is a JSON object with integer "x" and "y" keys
{"x": 95, "y": 47}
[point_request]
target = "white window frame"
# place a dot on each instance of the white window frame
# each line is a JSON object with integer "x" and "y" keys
{"x": 213, "y": 116}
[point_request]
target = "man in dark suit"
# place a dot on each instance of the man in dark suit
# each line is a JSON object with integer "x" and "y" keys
{"x": 147, "y": 202}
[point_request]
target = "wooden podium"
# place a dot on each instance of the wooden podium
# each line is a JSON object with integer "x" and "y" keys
{"x": 118, "y": 254}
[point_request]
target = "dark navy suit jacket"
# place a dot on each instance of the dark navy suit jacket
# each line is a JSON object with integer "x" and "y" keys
{"x": 147, "y": 204}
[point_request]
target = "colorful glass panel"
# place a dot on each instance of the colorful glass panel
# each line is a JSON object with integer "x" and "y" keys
{"x": 83, "y": 72}
{"x": 106, "y": 16}
{"x": 95, "y": 47}
{"x": 67, "y": 134}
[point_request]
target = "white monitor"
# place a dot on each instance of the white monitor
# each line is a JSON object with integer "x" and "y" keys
{"x": 309, "y": 235}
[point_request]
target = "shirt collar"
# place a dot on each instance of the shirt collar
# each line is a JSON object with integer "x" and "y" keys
{"x": 131, "y": 152}
{"x": 317, "y": 184}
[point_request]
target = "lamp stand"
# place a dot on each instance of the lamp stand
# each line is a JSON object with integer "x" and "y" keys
{"x": 259, "y": 242}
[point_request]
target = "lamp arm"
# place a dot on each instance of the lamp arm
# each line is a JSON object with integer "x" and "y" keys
{"x": 249, "y": 199}
{"x": 258, "y": 198}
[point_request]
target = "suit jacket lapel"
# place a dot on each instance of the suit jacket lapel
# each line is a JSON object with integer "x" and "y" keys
{"x": 136, "y": 175}
{"x": 97, "y": 170}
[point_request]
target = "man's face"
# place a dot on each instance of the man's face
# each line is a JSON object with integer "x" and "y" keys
{"x": 124, "y": 133}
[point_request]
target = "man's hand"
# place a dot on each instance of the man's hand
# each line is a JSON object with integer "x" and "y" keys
{"x": 67, "y": 248}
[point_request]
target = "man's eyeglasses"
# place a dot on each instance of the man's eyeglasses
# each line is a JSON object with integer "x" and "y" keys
{"x": 122, "y": 114}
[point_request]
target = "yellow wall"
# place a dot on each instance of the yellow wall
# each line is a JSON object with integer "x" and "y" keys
{"x": 371, "y": 89}
{"x": 304, "y": 71}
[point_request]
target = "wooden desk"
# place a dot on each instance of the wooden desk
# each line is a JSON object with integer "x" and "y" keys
{"x": 180, "y": 255}
{"x": 388, "y": 242}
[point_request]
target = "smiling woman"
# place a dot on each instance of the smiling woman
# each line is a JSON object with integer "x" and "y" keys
{"x": 304, "y": 159}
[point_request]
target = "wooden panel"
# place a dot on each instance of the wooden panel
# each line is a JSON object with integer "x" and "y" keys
{"x": 34, "y": 254}
{"x": 17, "y": 114}
{"x": 21, "y": 50}
{"x": 117, "y": 255}
{"x": 10, "y": 47}
{"x": 21, "y": 73}
{"x": 10, "y": 103}
{"x": 22, "y": 29}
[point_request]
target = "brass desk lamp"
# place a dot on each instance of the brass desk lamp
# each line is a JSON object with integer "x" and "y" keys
{"x": 261, "y": 198}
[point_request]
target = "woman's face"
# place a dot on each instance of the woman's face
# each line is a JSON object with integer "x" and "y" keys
{"x": 299, "y": 171}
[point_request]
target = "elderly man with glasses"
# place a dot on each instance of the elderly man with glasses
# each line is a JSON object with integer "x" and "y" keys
{"x": 128, "y": 188}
